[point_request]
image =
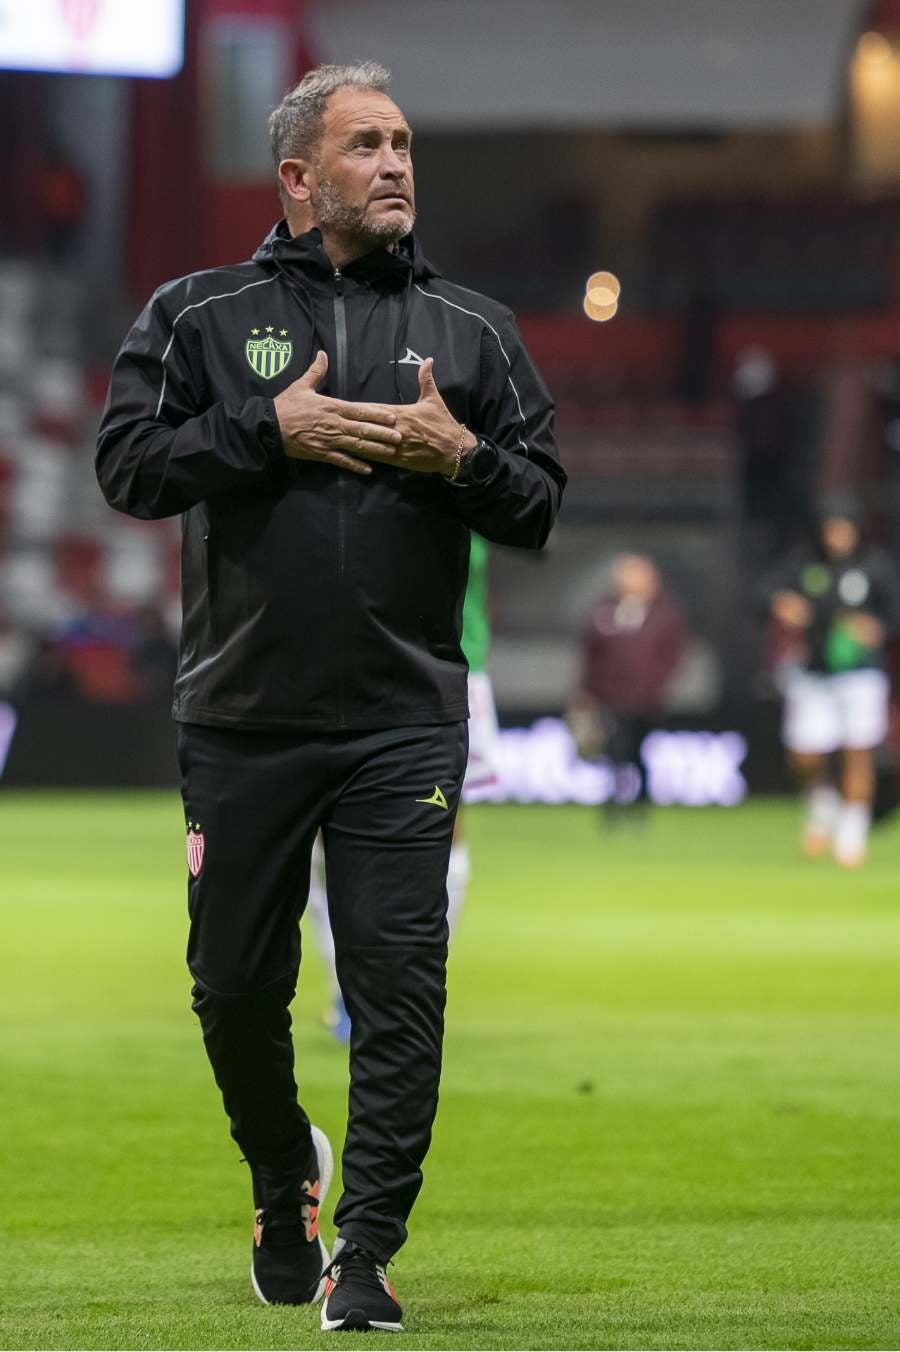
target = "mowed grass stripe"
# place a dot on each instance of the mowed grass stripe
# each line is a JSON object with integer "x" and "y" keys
{"x": 668, "y": 1115}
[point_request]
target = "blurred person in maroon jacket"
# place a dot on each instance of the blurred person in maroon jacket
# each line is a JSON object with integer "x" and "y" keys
{"x": 632, "y": 645}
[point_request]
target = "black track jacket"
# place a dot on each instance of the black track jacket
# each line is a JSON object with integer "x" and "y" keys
{"x": 314, "y": 598}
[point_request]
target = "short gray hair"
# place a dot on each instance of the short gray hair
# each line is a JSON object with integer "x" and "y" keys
{"x": 295, "y": 126}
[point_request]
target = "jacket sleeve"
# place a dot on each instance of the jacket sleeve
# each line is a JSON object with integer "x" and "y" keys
{"x": 517, "y": 501}
{"x": 666, "y": 653}
{"x": 162, "y": 447}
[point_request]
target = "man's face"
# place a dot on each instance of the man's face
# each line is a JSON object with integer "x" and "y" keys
{"x": 635, "y": 575}
{"x": 840, "y": 536}
{"x": 361, "y": 181}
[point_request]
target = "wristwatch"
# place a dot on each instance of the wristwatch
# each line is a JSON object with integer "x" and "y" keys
{"x": 479, "y": 464}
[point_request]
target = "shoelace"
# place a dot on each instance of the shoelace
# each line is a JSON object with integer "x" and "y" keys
{"x": 356, "y": 1264}
{"x": 281, "y": 1227}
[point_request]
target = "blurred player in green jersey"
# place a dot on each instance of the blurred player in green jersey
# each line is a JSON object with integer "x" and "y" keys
{"x": 837, "y": 604}
{"x": 481, "y": 773}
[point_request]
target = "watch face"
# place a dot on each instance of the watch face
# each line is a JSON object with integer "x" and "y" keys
{"x": 480, "y": 462}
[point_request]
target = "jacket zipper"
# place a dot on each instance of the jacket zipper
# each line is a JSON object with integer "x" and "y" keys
{"x": 340, "y": 334}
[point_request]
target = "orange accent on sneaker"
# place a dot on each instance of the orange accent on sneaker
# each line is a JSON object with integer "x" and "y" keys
{"x": 329, "y": 1287}
{"x": 257, "y": 1228}
{"x": 311, "y": 1213}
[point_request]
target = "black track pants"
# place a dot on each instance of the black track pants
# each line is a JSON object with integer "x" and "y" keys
{"x": 386, "y": 803}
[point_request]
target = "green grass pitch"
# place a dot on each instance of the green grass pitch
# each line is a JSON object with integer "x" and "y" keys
{"x": 669, "y": 1115}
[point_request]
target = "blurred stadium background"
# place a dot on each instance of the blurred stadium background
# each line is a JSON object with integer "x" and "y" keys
{"x": 735, "y": 165}
{"x": 712, "y": 1029}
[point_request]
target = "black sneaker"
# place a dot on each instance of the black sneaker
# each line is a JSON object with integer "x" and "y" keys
{"x": 289, "y": 1256}
{"x": 358, "y": 1295}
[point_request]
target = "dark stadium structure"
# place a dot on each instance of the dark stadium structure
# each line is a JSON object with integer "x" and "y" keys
{"x": 752, "y": 365}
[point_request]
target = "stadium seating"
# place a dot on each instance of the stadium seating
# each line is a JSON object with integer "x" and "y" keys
{"x": 827, "y": 253}
{"x": 62, "y": 556}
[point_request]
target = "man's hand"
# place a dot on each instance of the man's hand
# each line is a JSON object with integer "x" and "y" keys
{"x": 429, "y": 433}
{"x": 865, "y": 629}
{"x": 792, "y": 610}
{"x": 314, "y": 427}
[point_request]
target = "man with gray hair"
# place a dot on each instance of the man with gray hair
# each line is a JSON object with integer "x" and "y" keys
{"x": 321, "y": 685}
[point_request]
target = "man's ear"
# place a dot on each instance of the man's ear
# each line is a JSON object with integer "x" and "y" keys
{"x": 295, "y": 176}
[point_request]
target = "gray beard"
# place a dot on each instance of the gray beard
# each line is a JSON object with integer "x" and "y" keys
{"x": 358, "y": 224}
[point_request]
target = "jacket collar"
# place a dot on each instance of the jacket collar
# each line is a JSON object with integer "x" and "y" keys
{"x": 305, "y": 252}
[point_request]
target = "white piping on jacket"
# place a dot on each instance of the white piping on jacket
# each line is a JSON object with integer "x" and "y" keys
{"x": 196, "y": 306}
{"x": 433, "y": 296}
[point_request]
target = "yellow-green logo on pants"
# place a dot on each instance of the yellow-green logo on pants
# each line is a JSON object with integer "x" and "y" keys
{"x": 437, "y": 798}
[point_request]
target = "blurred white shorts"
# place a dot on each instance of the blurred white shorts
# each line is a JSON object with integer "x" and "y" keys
{"x": 484, "y": 737}
{"x": 824, "y": 713}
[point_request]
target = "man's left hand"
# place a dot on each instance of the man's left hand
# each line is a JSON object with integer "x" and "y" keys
{"x": 430, "y": 435}
{"x": 866, "y": 629}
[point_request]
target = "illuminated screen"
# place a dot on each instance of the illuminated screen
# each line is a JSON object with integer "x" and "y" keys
{"x": 541, "y": 764}
{"x": 93, "y": 37}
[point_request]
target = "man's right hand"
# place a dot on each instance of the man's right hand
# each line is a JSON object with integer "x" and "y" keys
{"x": 792, "y": 610}
{"x": 314, "y": 427}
